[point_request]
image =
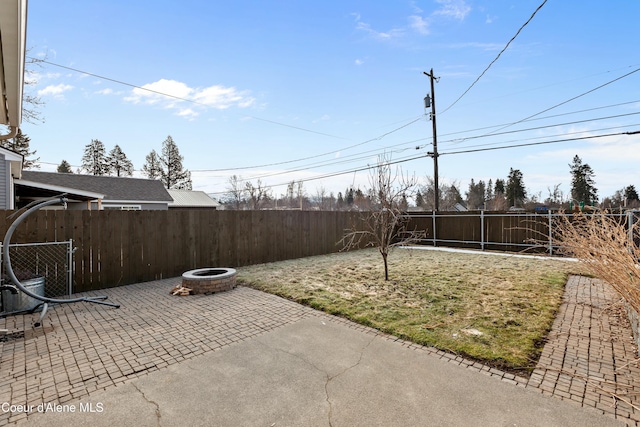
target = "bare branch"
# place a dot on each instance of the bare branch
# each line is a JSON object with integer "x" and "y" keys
{"x": 385, "y": 227}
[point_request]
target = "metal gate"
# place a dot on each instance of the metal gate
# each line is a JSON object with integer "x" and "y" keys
{"x": 53, "y": 261}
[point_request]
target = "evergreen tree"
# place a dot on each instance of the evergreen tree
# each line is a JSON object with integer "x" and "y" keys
{"x": 64, "y": 167}
{"x": 350, "y": 198}
{"x": 152, "y": 168}
{"x": 119, "y": 163}
{"x": 515, "y": 191}
{"x": 172, "y": 173}
{"x": 94, "y": 160}
{"x": 419, "y": 199}
{"x": 340, "y": 201}
{"x": 630, "y": 194}
{"x": 489, "y": 193}
{"x": 476, "y": 195}
{"x": 583, "y": 188}
{"x": 499, "y": 187}
{"x": 404, "y": 203}
{"x": 20, "y": 145}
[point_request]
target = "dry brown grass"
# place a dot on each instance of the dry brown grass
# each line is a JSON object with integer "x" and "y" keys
{"x": 602, "y": 244}
{"x": 433, "y": 297}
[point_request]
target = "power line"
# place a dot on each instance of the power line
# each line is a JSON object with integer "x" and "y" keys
{"x": 496, "y": 58}
{"x": 345, "y": 172}
{"x": 539, "y": 118}
{"x": 319, "y": 155}
{"x": 551, "y": 136}
{"x": 541, "y": 143}
{"x": 182, "y": 99}
{"x": 365, "y": 154}
{"x": 393, "y": 148}
{"x": 571, "y": 99}
{"x": 407, "y": 159}
{"x": 459, "y": 140}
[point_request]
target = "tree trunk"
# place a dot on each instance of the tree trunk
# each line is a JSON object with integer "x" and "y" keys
{"x": 386, "y": 267}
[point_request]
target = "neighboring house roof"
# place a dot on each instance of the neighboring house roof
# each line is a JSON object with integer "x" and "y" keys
{"x": 13, "y": 35}
{"x": 111, "y": 188}
{"x": 191, "y": 199}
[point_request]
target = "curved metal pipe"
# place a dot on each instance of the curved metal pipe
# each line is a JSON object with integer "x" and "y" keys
{"x": 12, "y": 276}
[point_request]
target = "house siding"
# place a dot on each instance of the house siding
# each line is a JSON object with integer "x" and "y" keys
{"x": 5, "y": 185}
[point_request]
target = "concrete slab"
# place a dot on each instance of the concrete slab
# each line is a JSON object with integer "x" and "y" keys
{"x": 316, "y": 372}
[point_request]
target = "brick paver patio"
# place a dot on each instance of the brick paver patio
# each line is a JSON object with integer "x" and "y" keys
{"x": 83, "y": 348}
{"x": 590, "y": 356}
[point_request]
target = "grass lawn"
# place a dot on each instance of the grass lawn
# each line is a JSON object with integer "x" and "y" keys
{"x": 491, "y": 308}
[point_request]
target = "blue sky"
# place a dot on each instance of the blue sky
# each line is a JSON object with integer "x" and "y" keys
{"x": 337, "y": 83}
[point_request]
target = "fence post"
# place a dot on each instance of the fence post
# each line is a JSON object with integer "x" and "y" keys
{"x": 550, "y": 234}
{"x": 433, "y": 216}
{"x": 630, "y": 226}
{"x": 70, "y": 252}
{"x": 482, "y": 230}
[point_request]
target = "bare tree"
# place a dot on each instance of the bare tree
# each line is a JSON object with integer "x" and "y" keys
{"x": 235, "y": 191}
{"x": 258, "y": 194}
{"x": 300, "y": 193}
{"x": 31, "y": 103}
{"x": 385, "y": 227}
{"x": 449, "y": 195}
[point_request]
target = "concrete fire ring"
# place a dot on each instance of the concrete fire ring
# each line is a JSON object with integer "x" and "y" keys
{"x": 209, "y": 280}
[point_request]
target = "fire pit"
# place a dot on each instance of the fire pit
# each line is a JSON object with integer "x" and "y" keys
{"x": 209, "y": 280}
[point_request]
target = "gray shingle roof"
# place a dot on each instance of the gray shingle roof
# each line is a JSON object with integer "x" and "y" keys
{"x": 113, "y": 187}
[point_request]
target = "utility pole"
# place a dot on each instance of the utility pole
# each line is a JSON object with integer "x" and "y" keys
{"x": 433, "y": 154}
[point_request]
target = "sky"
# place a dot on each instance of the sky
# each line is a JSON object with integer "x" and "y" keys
{"x": 318, "y": 90}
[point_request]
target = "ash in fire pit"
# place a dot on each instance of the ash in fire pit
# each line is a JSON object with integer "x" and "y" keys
{"x": 209, "y": 280}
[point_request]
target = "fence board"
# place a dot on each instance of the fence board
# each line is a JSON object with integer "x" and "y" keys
{"x": 122, "y": 247}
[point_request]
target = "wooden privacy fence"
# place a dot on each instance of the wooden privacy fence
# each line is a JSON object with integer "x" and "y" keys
{"x": 116, "y": 248}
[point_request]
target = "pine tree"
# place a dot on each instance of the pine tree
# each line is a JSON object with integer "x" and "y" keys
{"x": 419, "y": 199}
{"x": 583, "y": 188}
{"x": 350, "y": 198}
{"x": 340, "y": 201}
{"x": 515, "y": 191}
{"x": 489, "y": 194}
{"x": 630, "y": 194}
{"x": 172, "y": 173}
{"x": 94, "y": 160}
{"x": 476, "y": 195}
{"x": 64, "y": 167}
{"x": 20, "y": 145}
{"x": 119, "y": 163}
{"x": 152, "y": 169}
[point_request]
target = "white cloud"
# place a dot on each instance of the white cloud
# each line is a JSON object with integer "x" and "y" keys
{"x": 457, "y": 9}
{"x": 380, "y": 35}
{"x": 188, "y": 113}
{"x": 172, "y": 94}
{"x": 419, "y": 24}
{"x": 106, "y": 91}
{"x": 55, "y": 90}
{"x": 359, "y": 61}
